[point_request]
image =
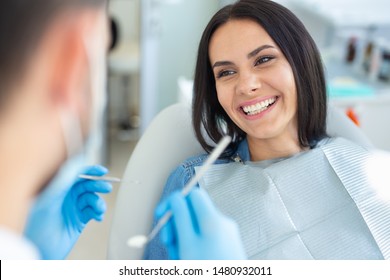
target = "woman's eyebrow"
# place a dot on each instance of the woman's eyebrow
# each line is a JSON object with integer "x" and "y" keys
{"x": 249, "y": 56}
{"x": 222, "y": 63}
{"x": 259, "y": 49}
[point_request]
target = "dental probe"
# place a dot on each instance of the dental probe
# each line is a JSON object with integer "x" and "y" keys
{"x": 139, "y": 241}
{"x": 100, "y": 178}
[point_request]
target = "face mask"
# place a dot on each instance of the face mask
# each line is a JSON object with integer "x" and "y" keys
{"x": 97, "y": 61}
{"x": 55, "y": 192}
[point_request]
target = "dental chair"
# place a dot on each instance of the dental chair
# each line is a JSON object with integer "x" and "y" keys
{"x": 167, "y": 142}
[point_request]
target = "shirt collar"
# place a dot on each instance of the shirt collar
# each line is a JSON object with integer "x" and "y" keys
{"x": 242, "y": 152}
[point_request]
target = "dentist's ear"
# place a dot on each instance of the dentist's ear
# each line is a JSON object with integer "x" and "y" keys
{"x": 68, "y": 78}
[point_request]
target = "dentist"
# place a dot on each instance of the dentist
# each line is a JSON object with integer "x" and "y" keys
{"x": 52, "y": 81}
{"x": 52, "y": 77}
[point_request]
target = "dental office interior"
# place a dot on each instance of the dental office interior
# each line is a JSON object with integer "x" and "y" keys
{"x": 151, "y": 67}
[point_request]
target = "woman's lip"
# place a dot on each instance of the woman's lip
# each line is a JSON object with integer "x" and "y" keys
{"x": 255, "y": 101}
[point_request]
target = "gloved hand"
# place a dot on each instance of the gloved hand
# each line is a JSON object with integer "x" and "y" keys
{"x": 197, "y": 230}
{"x": 54, "y": 226}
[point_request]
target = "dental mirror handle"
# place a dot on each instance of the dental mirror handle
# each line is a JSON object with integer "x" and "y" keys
{"x": 218, "y": 150}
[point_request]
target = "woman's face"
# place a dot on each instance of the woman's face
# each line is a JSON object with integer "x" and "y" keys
{"x": 254, "y": 81}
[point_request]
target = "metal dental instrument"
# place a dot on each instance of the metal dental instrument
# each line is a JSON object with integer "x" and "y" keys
{"x": 100, "y": 178}
{"x": 139, "y": 241}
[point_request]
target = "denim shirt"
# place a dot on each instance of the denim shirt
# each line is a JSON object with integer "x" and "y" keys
{"x": 178, "y": 179}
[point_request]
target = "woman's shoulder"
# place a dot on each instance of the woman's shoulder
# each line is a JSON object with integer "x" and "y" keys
{"x": 190, "y": 163}
{"x": 182, "y": 174}
{"x": 187, "y": 167}
{"x": 193, "y": 161}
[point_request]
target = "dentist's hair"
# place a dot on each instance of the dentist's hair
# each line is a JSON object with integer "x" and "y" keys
{"x": 22, "y": 24}
{"x": 298, "y": 47}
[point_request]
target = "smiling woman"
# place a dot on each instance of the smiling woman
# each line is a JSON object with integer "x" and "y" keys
{"x": 274, "y": 42}
{"x": 255, "y": 87}
{"x": 291, "y": 188}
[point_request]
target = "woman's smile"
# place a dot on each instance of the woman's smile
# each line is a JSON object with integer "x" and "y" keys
{"x": 258, "y": 108}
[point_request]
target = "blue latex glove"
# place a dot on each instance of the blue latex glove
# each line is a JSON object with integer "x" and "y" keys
{"x": 54, "y": 226}
{"x": 197, "y": 230}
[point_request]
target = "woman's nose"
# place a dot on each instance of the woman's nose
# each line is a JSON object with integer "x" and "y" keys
{"x": 248, "y": 83}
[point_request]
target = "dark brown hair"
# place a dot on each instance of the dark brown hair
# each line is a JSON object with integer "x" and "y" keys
{"x": 298, "y": 47}
{"x": 22, "y": 23}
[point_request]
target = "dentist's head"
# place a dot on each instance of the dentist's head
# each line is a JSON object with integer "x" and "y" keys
{"x": 52, "y": 81}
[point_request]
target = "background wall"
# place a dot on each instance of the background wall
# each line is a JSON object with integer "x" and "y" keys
{"x": 123, "y": 61}
{"x": 127, "y": 12}
{"x": 170, "y": 34}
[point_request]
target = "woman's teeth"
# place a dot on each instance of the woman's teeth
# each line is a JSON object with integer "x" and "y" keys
{"x": 258, "y": 107}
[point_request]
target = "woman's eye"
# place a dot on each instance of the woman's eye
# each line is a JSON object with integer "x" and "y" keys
{"x": 225, "y": 73}
{"x": 263, "y": 59}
